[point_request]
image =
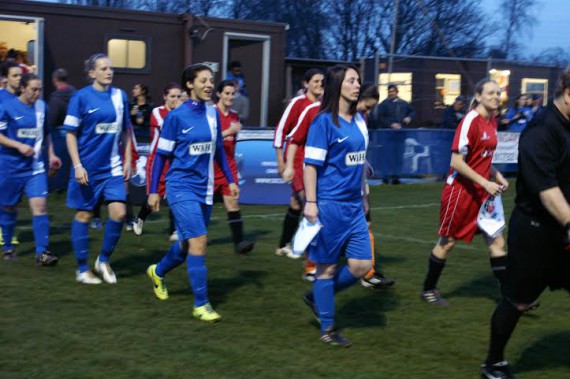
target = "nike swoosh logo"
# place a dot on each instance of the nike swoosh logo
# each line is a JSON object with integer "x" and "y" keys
{"x": 18, "y": 118}
{"x": 92, "y": 110}
{"x": 339, "y": 140}
{"x": 184, "y": 131}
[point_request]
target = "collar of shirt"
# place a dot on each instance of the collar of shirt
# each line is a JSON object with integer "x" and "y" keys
{"x": 196, "y": 106}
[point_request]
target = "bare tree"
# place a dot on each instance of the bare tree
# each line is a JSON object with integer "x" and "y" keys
{"x": 517, "y": 16}
{"x": 352, "y": 27}
{"x": 556, "y": 56}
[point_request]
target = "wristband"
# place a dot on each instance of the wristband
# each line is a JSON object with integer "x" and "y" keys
{"x": 77, "y": 166}
{"x": 314, "y": 202}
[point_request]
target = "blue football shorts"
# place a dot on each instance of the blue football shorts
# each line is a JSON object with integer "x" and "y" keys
{"x": 191, "y": 218}
{"x": 344, "y": 231}
{"x": 111, "y": 188}
{"x": 12, "y": 189}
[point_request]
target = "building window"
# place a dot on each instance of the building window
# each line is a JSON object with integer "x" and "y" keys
{"x": 447, "y": 88}
{"x": 402, "y": 79}
{"x": 532, "y": 86}
{"x": 128, "y": 54}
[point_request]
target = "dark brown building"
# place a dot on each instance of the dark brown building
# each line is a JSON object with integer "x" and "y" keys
{"x": 432, "y": 83}
{"x": 148, "y": 47}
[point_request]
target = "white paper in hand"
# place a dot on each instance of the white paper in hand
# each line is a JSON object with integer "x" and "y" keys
{"x": 491, "y": 218}
{"x": 306, "y": 232}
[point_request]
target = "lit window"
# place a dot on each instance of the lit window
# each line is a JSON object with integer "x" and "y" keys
{"x": 127, "y": 53}
{"x": 402, "y": 79}
{"x": 532, "y": 86}
{"x": 447, "y": 88}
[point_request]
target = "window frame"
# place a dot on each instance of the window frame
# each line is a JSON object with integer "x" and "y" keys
{"x": 525, "y": 81}
{"x": 125, "y": 70}
{"x": 446, "y": 77}
{"x": 383, "y": 85}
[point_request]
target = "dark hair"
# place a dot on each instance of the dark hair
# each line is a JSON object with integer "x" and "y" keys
{"x": 312, "y": 72}
{"x": 234, "y": 64}
{"x": 563, "y": 82}
{"x": 461, "y": 98}
{"x": 225, "y": 83}
{"x": 479, "y": 90}
{"x": 369, "y": 91}
{"x": 12, "y": 54}
{"x": 333, "y": 85}
{"x": 60, "y": 74}
{"x": 92, "y": 60}
{"x": 145, "y": 90}
{"x": 169, "y": 87}
{"x": 190, "y": 73}
{"x": 27, "y": 78}
{"x": 392, "y": 86}
{"x": 6, "y": 66}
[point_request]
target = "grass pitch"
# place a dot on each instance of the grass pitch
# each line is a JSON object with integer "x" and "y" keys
{"x": 52, "y": 327}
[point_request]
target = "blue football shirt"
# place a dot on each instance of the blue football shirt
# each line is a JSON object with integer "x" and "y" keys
{"x": 192, "y": 138}
{"x": 98, "y": 118}
{"x": 6, "y": 95}
{"x": 25, "y": 124}
{"x": 339, "y": 152}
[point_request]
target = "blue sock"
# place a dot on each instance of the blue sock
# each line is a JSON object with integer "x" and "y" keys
{"x": 40, "y": 225}
{"x": 80, "y": 242}
{"x": 343, "y": 279}
{"x": 198, "y": 274}
{"x": 110, "y": 239}
{"x": 8, "y": 227}
{"x": 323, "y": 293}
{"x": 173, "y": 258}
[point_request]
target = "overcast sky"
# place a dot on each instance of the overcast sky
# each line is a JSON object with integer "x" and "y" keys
{"x": 552, "y": 27}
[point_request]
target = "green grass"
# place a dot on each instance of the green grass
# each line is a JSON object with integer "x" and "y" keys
{"x": 52, "y": 327}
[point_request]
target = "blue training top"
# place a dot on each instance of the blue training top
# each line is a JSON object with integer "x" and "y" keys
{"x": 98, "y": 118}
{"x": 25, "y": 124}
{"x": 339, "y": 152}
{"x": 192, "y": 137}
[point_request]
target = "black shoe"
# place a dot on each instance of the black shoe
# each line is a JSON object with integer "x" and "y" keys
{"x": 244, "y": 247}
{"x": 333, "y": 337}
{"x": 498, "y": 370}
{"x": 46, "y": 259}
{"x": 10, "y": 255}
{"x": 434, "y": 298}
{"x": 310, "y": 302}
{"x": 377, "y": 281}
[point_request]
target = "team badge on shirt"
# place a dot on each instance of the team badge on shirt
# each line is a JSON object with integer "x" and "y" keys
{"x": 28, "y": 133}
{"x": 107, "y": 128}
{"x": 355, "y": 158}
{"x": 200, "y": 148}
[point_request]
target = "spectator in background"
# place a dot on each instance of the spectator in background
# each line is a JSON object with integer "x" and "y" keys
{"x": 57, "y": 105}
{"x": 393, "y": 113}
{"x": 18, "y": 57}
{"x": 518, "y": 116}
{"x": 141, "y": 108}
{"x": 454, "y": 113}
{"x": 241, "y": 105}
{"x": 537, "y": 101}
{"x": 235, "y": 74}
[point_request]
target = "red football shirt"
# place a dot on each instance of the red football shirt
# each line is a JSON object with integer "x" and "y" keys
{"x": 476, "y": 139}
{"x": 229, "y": 145}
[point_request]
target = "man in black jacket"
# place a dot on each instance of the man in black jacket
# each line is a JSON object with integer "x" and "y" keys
{"x": 57, "y": 110}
